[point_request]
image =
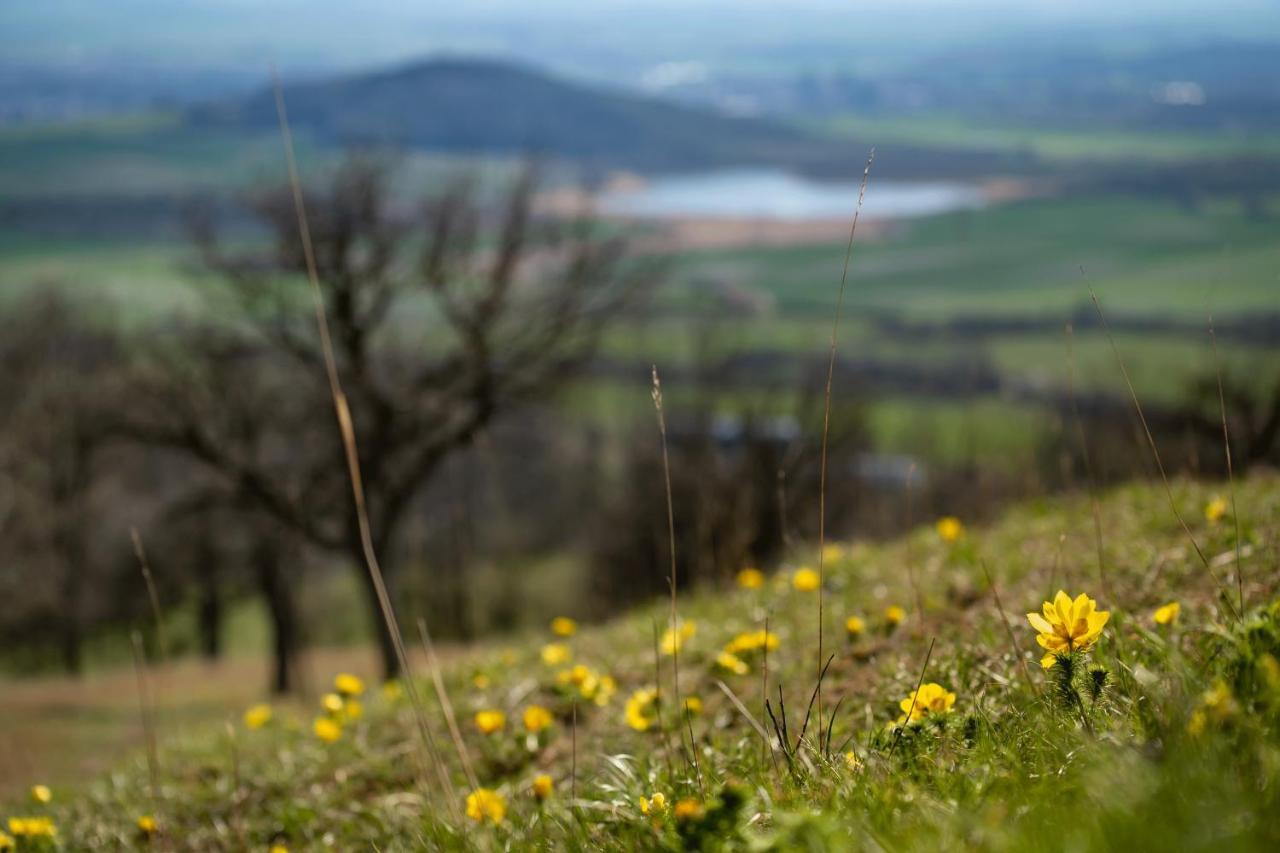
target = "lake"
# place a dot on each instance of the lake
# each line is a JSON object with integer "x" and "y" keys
{"x": 774, "y": 194}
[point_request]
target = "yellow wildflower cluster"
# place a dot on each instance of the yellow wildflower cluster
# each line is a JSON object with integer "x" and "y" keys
{"x": 673, "y": 639}
{"x": 32, "y": 827}
{"x": 563, "y": 626}
{"x": 486, "y": 804}
{"x": 1167, "y": 614}
{"x": 949, "y": 529}
{"x": 490, "y": 721}
{"x": 555, "y": 654}
{"x": 340, "y": 708}
{"x": 147, "y": 825}
{"x": 929, "y": 701}
{"x": 893, "y": 616}
{"x": 752, "y": 641}
{"x": 855, "y": 627}
{"x": 641, "y": 711}
{"x": 655, "y": 805}
{"x": 806, "y": 579}
{"x": 1217, "y": 706}
{"x": 589, "y": 684}
{"x": 751, "y": 579}
{"x": 537, "y": 719}
{"x": 542, "y": 786}
{"x": 1067, "y": 625}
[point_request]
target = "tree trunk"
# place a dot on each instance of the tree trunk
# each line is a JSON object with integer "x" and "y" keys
{"x": 280, "y": 606}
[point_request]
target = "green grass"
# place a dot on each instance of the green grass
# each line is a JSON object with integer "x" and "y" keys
{"x": 1011, "y": 767}
{"x": 1056, "y": 145}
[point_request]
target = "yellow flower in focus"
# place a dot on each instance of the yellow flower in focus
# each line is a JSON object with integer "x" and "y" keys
{"x": 147, "y": 825}
{"x": 1167, "y": 614}
{"x": 930, "y": 699}
{"x": 693, "y": 705}
{"x": 640, "y": 713}
{"x": 563, "y": 626}
{"x": 1215, "y": 510}
{"x": 257, "y": 716}
{"x": 893, "y": 615}
{"x": 750, "y": 578}
{"x": 41, "y": 793}
{"x": 855, "y": 626}
{"x": 949, "y": 528}
{"x": 731, "y": 662}
{"x": 752, "y": 641}
{"x": 1067, "y": 625}
{"x": 554, "y": 654}
{"x": 348, "y": 685}
{"x": 655, "y": 805}
{"x": 392, "y": 691}
{"x": 688, "y": 809}
{"x": 489, "y": 721}
{"x": 486, "y": 804}
{"x": 542, "y": 786}
{"x": 674, "y": 640}
{"x": 537, "y": 718}
{"x": 332, "y": 703}
{"x": 327, "y": 729}
{"x": 806, "y": 580}
{"x": 852, "y": 762}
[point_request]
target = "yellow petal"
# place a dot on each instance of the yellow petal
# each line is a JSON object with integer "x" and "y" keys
{"x": 1048, "y": 660}
{"x": 1039, "y": 623}
{"x": 1062, "y": 606}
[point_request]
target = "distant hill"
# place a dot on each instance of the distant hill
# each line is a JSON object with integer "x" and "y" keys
{"x": 489, "y": 107}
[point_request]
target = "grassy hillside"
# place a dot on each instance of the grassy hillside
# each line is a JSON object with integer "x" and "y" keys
{"x": 1167, "y": 738}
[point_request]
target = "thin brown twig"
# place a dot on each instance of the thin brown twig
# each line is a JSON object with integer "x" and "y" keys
{"x": 162, "y": 643}
{"x": 1173, "y": 505}
{"x": 826, "y": 420}
{"x": 671, "y": 547}
{"x": 346, "y": 427}
{"x": 459, "y": 745}
{"x": 1008, "y": 626}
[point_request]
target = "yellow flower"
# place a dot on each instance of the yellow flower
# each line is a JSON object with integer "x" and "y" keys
{"x": 732, "y": 663}
{"x": 688, "y": 809}
{"x": 536, "y": 718}
{"x": 832, "y": 552}
{"x": 486, "y": 804}
{"x": 1167, "y": 614}
{"x": 693, "y": 705}
{"x": 554, "y": 654}
{"x": 490, "y": 721}
{"x": 805, "y": 580}
{"x": 852, "y": 761}
{"x": 1216, "y": 509}
{"x": 673, "y": 640}
{"x": 392, "y": 691}
{"x": 41, "y": 793}
{"x": 640, "y": 713}
{"x": 949, "y": 528}
{"x": 1067, "y": 625}
{"x": 752, "y": 641}
{"x": 604, "y": 690}
{"x": 855, "y": 626}
{"x": 929, "y": 699}
{"x": 893, "y": 615}
{"x": 6, "y": 842}
{"x": 563, "y": 626}
{"x": 327, "y": 729}
{"x": 750, "y": 578}
{"x": 348, "y": 685}
{"x": 332, "y": 703}
{"x": 352, "y": 710}
{"x": 279, "y": 848}
{"x": 147, "y": 825}
{"x": 481, "y": 681}
{"x": 32, "y": 827}
{"x": 656, "y": 805}
{"x": 257, "y": 716}
{"x": 542, "y": 786}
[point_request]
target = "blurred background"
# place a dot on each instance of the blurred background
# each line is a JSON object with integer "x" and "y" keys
{"x": 518, "y": 210}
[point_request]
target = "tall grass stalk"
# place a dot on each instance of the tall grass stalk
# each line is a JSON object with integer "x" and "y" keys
{"x": 446, "y": 706}
{"x": 671, "y": 547}
{"x": 826, "y": 420}
{"x": 346, "y": 427}
{"x": 1226, "y": 447}
{"x": 1088, "y": 461}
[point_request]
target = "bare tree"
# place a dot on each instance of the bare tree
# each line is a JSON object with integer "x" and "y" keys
{"x": 441, "y": 320}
